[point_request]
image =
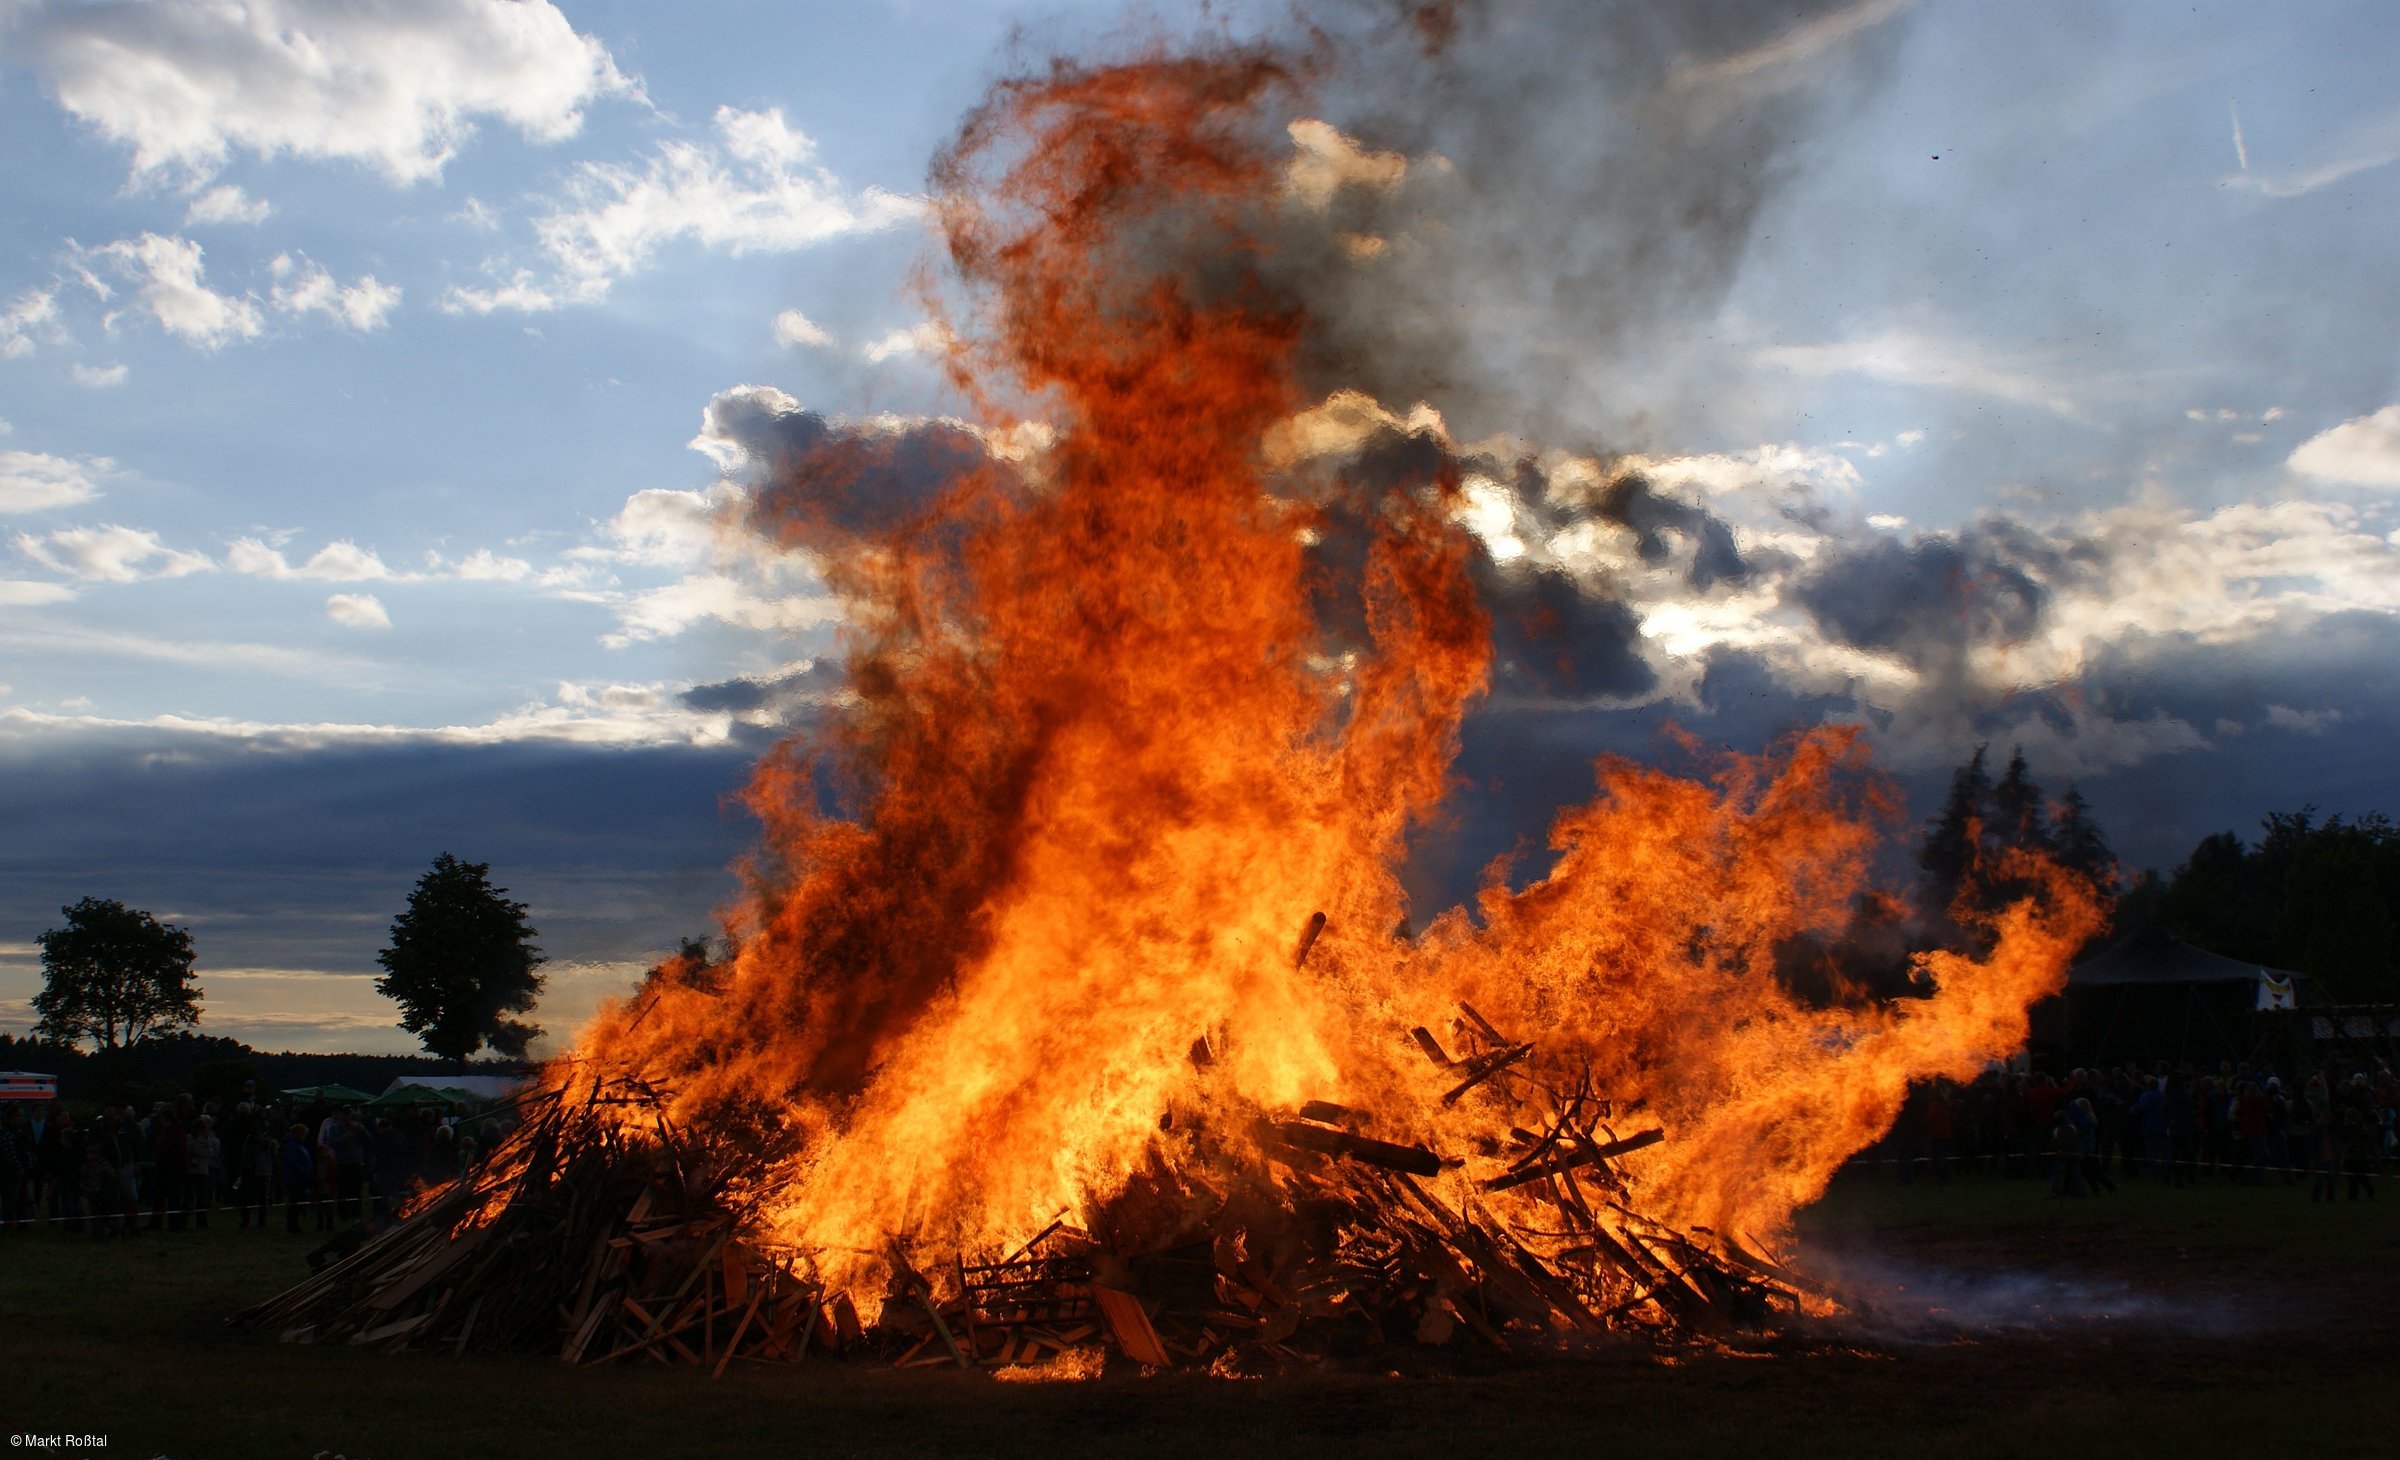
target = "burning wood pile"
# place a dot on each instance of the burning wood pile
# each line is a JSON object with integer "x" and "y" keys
{"x": 583, "y": 1239}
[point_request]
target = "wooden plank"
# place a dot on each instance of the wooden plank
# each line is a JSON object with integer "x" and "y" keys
{"x": 1415, "y": 1160}
{"x": 425, "y": 1271}
{"x": 1567, "y": 1161}
{"x": 391, "y": 1330}
{"x": 1130, "y": 1326}
{"x": 734, "y": 1343}
{"x": 1483, "y": 1025}
{"x": 581, "y": 1340}
{"x": 1432, "y": 1047}
{"x": 1486, "y": 1067}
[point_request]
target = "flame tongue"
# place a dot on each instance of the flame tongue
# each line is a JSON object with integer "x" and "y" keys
{"x": 1126, "y": 719}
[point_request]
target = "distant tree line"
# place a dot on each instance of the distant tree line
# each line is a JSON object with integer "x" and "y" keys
{"x": 2318, "y": 897}
{"x": 119, "y": 997}
{"x": 208, "y": 1065}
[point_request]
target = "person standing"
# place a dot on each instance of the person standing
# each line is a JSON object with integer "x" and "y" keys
{"x": 2324, "y": 1139}
{"x": 16, "y": 1169}
{"x": 299, "y": 1172}
{"x": 2361, "y": 1140}
{"x": 59, "y": 1159}
{"x": 351, "y": 1149}
{"x": 257, "y": 1181}
{"x": 170, "y": 1148}
{"x": 325, "y": 1183}
{"x": 203, "y": 1163}
{"x": 100, "y": 1183}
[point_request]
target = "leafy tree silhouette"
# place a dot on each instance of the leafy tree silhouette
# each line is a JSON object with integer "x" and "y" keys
{"x": 462, "y": 962}
{"x": 114, "y": 975}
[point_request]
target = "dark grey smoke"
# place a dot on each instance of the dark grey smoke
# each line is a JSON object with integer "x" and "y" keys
{"x": 1585, "y": 178}
{"x": 1930, "y": 596}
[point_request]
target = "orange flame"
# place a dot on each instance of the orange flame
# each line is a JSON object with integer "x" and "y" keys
{"x": 1124, "y": 720}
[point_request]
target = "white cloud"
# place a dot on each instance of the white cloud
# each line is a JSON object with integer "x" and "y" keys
{"x": 83, "y": 644}
{"x": 1782, "y": 63}
{"x": 668, "y": 528}
{"x": 98, "y": 377}
{"x": 923, "y": 339}
{"x": 577, "y": 712}
{"x": 111, "y": 554}
{"x": 2361, "y": 452}
{"x": 522, "y": 294}
{"x": 336, "y": 562}
{"x": 398, "y": 87}
{"x": 483, "y": 566}
{"x": 2363, "y": 147}
{"x": 2305, "y": 722}
{"x": 727, "y": 414}
{"x": 226, "y": 203}
{"x": 1909, "y": 357}
{"x": 24, "y": 593}
{"x": 31, "y": 319}
{"x": 794, "y": 328}
{"x": 662, "y": 613}
{"x": 363, "y": 304}
{"x": 33, "y": 481}
{"x": 751, "y": 189}
{"x": 168, "y": 272}
{"x": 357, "y": 611}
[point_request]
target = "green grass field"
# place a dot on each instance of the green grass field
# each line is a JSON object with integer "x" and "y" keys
{"x": 2220, "y": 1321}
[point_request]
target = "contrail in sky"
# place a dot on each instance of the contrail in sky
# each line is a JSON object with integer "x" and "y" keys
{"x": 2241, "y": 150}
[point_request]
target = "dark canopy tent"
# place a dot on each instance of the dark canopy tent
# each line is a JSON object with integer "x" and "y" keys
{"x": 2153, "y": 996}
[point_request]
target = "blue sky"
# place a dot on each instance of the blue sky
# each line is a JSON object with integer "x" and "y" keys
{"x": 371, "y": 374}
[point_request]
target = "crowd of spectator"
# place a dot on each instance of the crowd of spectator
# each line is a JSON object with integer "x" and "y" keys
{"x": 187, "y": 1159}
{"x": 2245, "y": 1124}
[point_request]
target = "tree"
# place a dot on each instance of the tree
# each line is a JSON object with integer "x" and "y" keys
{"x": 461, "y": 962}
{"x": 692, "y": 965}
{"x": 1954, "y": 843}
{"x": 114, "y": 975}
{"x": 2075, "y": 839}
{"x": 2017, "y": 808}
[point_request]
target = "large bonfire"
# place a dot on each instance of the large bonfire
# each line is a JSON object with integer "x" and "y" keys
{"x": 1073, "y": 997}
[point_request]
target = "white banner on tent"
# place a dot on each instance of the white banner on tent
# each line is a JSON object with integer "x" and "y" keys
{"x": 2275, "y": 993}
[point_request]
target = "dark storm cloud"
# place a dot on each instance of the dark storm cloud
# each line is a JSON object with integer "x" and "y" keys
{"x": 1551, "y": 636}
{"x": 824, "y": 483}
{"x": 1928, "y": 597}
{"x": 781, "y": 698}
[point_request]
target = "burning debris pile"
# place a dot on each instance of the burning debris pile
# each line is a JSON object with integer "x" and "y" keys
{"x": 1160, "y": 657}
{"x": 577, "y": 1241}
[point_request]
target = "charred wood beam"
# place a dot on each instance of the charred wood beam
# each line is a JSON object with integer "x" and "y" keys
{"x": 1432, "y": 1047}
{"x": 1308, "y": 939}
{"x": 1485, "y": 1067}
{"x": 1301, "y": 1135}
{"x": 1569, "y": 1160}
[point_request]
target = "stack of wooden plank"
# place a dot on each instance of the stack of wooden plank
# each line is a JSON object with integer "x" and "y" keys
{"x": 607, "y": 1239}
{"x": 578, "y": 1236}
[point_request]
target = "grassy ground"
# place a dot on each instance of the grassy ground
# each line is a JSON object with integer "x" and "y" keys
{"x": 2202, "y": 1322}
